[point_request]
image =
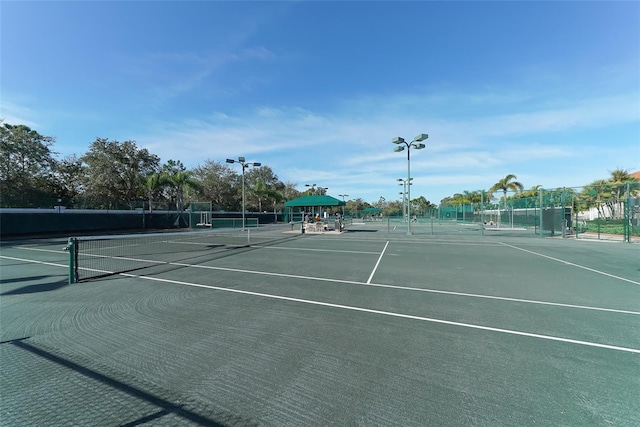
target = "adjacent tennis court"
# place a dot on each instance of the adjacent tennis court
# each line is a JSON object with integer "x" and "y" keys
{"x": 368, "y": 327}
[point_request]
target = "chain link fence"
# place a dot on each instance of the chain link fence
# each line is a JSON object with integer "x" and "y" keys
{"x": 607, "y": 211}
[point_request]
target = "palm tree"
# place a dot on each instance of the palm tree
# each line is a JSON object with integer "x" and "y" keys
{"x": 181, "y": 180}
{"x": 154, "y": 183}
{"x": 277, "y": 197}
{"x": 619, "y": 180}
{"x": 621, "y": 175}
{"x": 261, "y": 191}
{"x": 505, "y": 184}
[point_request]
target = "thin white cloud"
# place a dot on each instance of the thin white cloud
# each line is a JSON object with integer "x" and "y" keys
{"x": 17, "y": 115}
{"x": 350, "y": 150}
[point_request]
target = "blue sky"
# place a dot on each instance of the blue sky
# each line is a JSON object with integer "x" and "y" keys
{"x": 549, "y": 91}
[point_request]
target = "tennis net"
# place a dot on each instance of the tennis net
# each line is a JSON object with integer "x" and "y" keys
{"x": 98, "y": 256}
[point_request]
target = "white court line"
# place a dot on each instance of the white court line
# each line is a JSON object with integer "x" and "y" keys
{"x": 313, "y": 249}
{"x": 572, "y": 264}
{"x": 406, "y": 288}
{"x": 365, "y": 310}
{"x": 457, "y": 242}
{"x": 392, "y": 314}
{"x": 377, "y": 263}
{"x": 61, "y": 250}
{"x": 353, "y": 282}
{"x": 34, "y": 261}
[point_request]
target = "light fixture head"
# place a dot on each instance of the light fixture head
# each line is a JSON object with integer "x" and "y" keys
{"x": 419, "y": 146}
{"x": 399, "y": 148}
{"x": 230, "y": 161}
{"x": 398, "y": 140}
{"x": 420, "y": 137}
{"x": 241, "y": 159}
{"x": 256, "y": 164}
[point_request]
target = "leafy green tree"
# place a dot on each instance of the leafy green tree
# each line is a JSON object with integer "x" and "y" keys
{"x": 116, "y": 171}
{"x": 421, "y": 204}
{"x": 260, "y": 182}
{"x": 217, "y": 183}
{"x": 69, "y": 177}
{"x": 355, "y": 207}
{"x": 393, "y": 208}
{"x": 26, "y": 166}
{"x": 290, "y": 190}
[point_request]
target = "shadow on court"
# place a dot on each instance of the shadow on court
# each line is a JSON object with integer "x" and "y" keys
{"x": 42, "y": 287}
{"x": 166, "y": 407}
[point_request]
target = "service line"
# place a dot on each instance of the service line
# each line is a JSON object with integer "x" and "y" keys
{"x": 392, "y": 314}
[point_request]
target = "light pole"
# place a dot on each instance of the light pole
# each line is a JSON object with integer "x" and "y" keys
{"x": 404, "y": 195}
{"x": 244, "y": 165}
{"x": 398, "y": 141}
{"x": 343, "y": 196}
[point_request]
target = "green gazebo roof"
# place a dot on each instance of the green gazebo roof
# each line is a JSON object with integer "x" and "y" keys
{"x": 371, "y": 210}
{"x": 309, "y": 201}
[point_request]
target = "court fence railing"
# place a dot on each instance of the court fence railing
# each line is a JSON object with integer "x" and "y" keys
{"x": 606, "y": 211}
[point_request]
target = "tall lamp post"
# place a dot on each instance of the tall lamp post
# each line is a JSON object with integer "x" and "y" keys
{"x": 343, "y": 196}
{"x": 244, "y": 165}
{"x": 401, "y": 145}
{"x": 404, "y": 195}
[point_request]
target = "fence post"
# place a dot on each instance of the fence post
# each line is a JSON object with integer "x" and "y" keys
{"x": 540, "y": 216}
{"x": 627, "y": 215}
{"x": 482, "y": 213}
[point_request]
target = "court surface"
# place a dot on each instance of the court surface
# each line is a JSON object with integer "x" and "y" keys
{"x": 366, "y": 328}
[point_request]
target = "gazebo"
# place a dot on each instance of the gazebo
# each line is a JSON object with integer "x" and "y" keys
{"x": 373, "y": 212}
{"x": 313, "y": 202}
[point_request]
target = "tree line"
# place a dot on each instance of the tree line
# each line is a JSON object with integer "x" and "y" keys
{"x": 121, "y": 175}
{"x": 599, "y": 193}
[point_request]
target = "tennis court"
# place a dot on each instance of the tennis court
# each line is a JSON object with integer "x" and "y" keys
{"x": 368, "y": 327}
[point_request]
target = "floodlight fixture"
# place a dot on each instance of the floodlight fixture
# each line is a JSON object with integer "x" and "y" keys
{"x": 401, "y": 146}
{"x": 244, "y": 165}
